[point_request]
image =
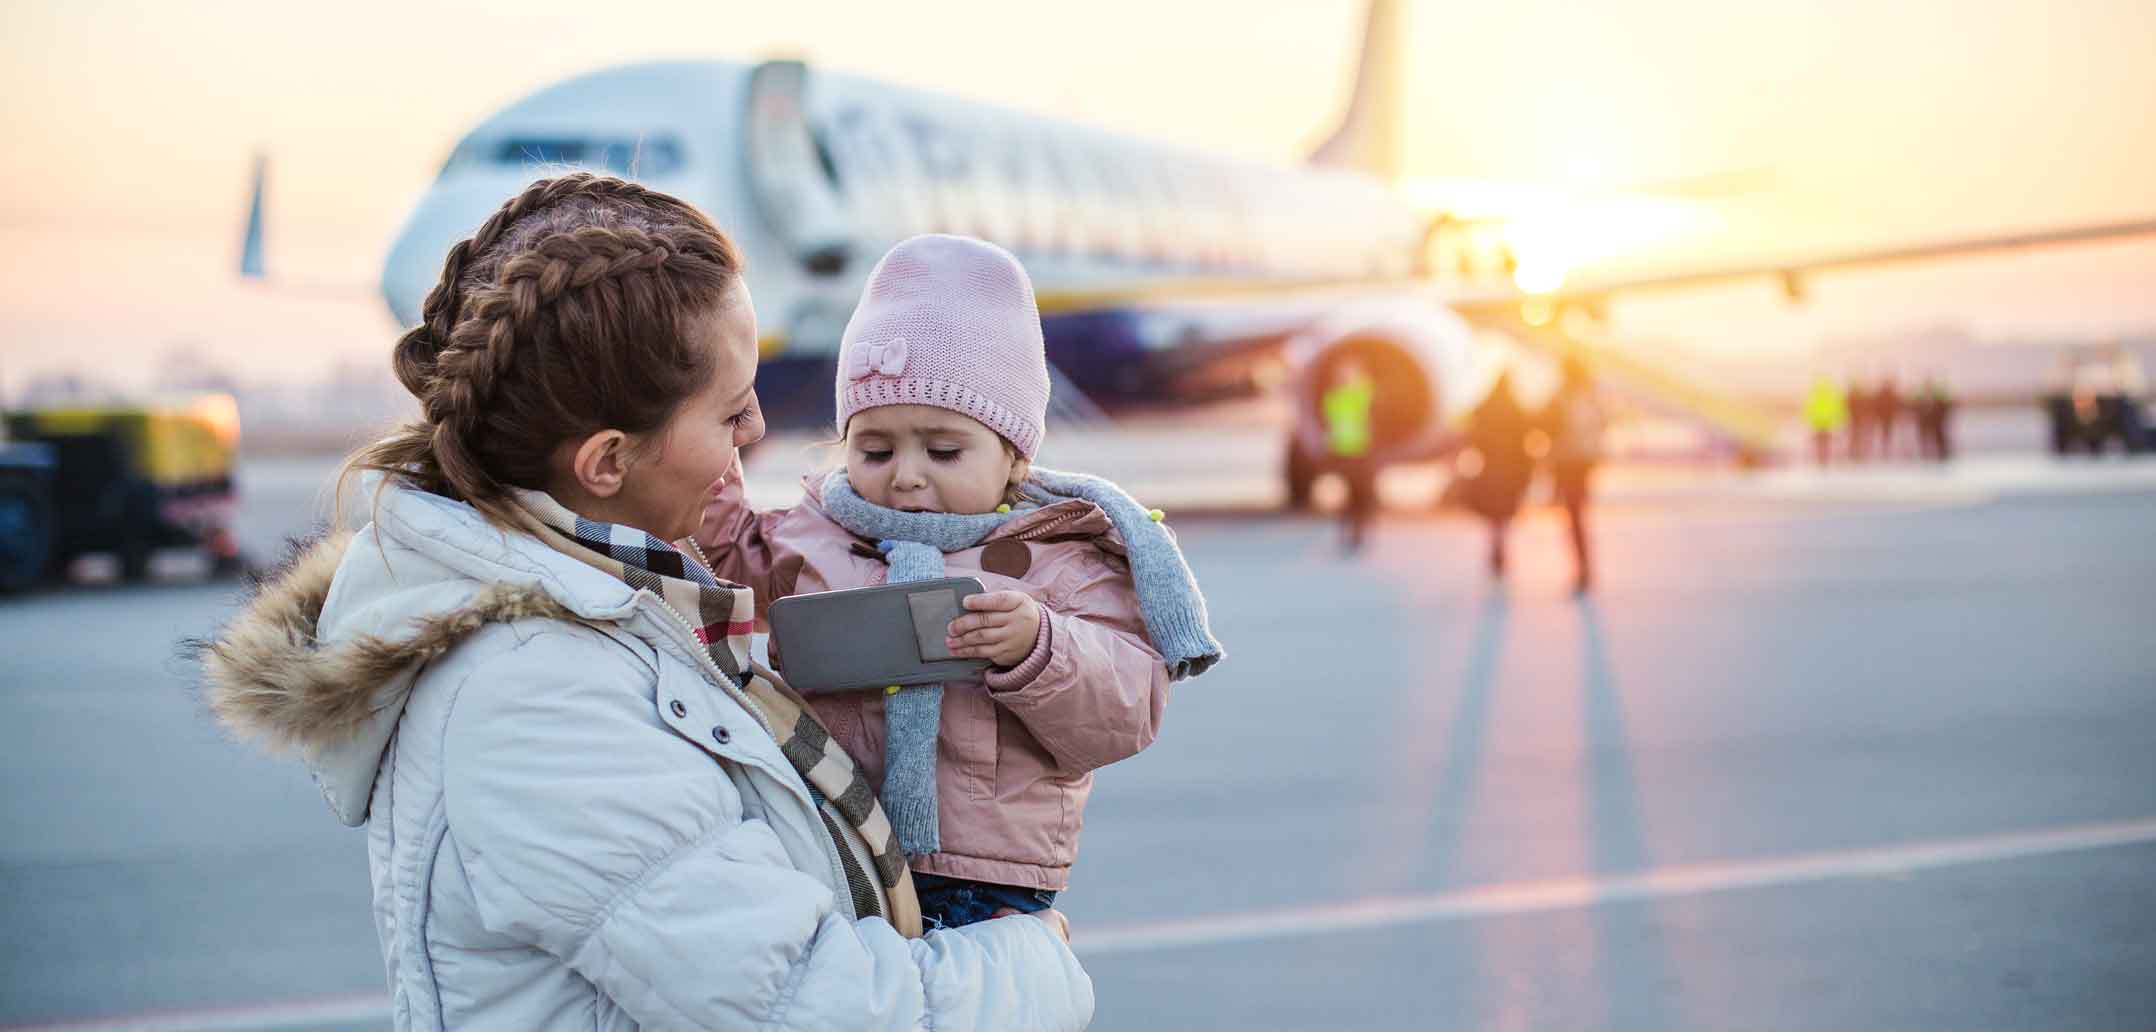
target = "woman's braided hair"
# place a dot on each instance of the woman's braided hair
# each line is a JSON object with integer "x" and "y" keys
{"x": 570, "y": 311}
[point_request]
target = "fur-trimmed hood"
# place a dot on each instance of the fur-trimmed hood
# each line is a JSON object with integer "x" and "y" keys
{"x": 270, "y": 678}
{"x": 322, "y": 658}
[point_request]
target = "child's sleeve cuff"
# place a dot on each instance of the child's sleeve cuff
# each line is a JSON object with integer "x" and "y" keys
{"x": 1028, "y": 668}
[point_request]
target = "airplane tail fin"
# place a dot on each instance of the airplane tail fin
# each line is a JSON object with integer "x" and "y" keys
{"x": 254, "y": 265}
{"x": 251, "y": 264}
{"x": 1367, "y": 138}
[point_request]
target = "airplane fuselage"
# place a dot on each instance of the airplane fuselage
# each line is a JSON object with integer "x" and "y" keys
{"x": 1161, "y": 271}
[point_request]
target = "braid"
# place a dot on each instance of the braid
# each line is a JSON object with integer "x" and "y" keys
{"x": 564, "y": 312}
{"x": 418, "y": 352}
{"x": 483, "y": 346}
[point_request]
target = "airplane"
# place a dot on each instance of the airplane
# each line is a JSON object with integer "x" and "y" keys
{"x": 1163, "y": 273}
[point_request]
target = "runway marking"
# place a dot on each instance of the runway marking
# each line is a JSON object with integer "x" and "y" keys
{"x": 1506, "y": 899}
{"x": 1502, "y": 899}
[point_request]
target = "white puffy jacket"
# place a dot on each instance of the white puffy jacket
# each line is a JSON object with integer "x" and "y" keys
{"x": 572, "y": 820}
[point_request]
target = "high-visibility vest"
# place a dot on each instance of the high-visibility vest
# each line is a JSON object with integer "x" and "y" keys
{"x": 1827, "y": 409}
{"x": 1347, "y": 418}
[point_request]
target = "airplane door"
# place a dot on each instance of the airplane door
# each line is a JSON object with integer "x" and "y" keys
{"x": 791, "y": 179}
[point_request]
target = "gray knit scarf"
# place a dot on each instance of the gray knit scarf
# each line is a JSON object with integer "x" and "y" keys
{"x": 1168, "y": 598}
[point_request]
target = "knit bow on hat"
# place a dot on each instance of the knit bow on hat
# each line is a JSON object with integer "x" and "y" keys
{"x": 885, "y": 357}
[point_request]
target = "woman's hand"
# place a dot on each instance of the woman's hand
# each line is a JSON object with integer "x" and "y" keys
{"x": 1000, "y": 627}
{"x": 1051, "y": 917}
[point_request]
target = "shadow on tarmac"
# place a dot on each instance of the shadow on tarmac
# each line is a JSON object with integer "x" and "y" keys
{"x": 1633, "y": 958}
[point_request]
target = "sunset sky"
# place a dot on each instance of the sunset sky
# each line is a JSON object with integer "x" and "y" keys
{"x": 1851, "y": 123}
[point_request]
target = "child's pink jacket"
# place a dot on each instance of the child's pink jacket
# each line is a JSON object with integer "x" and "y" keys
{"x": 1017, "y": 747}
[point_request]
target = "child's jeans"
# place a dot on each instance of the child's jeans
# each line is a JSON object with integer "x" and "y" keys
{"x": 953, "y": 902}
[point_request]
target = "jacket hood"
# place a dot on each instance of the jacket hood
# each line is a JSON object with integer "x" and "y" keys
{"x": 270, "y": 678}
{"x": 320, "y": 661}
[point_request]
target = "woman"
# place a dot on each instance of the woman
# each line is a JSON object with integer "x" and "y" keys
{"x": 585, "y": 807}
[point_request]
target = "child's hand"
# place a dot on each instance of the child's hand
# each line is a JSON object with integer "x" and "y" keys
{"x": 1000, "y": 627}
{"x": 1054, "y": 918}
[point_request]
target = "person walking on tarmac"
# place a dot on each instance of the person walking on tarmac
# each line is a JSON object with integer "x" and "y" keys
{"x": 1497, "y": 431}
{"x": 1826, "y": 412}
{"x": 1887, "y": 410}
{"x": 1575, "y": 420}
{"x": 1934, "y": 407}
{"x": 1863, "y": 416}
{"x": 1346, "y": 406}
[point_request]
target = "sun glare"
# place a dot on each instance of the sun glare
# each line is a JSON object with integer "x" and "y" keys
{"x": 1555, "y": 241}
{"x": 1552, "y": 232}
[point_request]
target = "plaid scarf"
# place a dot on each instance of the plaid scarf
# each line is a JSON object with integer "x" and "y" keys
{"x": 723, "y": 618}
{"x": 721, "y": 615}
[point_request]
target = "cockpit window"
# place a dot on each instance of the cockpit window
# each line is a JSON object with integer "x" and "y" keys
{"x": 643, "y": 157}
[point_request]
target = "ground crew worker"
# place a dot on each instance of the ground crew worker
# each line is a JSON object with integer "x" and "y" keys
{"x": 1346, "y": 406}
{"x": 1826, "y": 411}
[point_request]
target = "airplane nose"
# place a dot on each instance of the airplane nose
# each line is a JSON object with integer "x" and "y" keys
{"x": 449, "y": 212}
{"x": 401, "y": 276}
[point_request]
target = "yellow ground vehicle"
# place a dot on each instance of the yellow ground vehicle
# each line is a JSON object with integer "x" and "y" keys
{"x": 127, "y": 480}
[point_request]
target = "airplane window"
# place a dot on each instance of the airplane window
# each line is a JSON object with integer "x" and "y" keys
{"x": 861, "y": 150}
{"x": 940, "y": 153}
{"x": 1009, "y": 156}
{"x": 645, "y": 157}
{"x": 1116, "y": 176}
{"x": 655, "y": 156}
{"x": 1063, "y": 181}
{"x": 531, "y": 150}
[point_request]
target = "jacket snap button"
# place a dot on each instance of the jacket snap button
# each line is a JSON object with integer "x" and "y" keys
{"x": 679, "y": 709}
{"x": 722, "y": 735}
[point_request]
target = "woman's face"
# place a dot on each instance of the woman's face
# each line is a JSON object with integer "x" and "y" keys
{"x": 672, "y": 473}
{"x": 926, "y": 459}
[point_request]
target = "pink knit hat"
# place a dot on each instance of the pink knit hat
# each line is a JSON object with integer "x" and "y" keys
{"x": 949, "y": 321}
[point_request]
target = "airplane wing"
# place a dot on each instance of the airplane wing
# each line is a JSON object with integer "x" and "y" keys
{"x": 1793, "y": 272}
{"x": 1530, "y": 318}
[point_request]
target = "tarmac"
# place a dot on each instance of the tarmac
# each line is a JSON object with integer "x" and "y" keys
{"x": 1824, "y": 750}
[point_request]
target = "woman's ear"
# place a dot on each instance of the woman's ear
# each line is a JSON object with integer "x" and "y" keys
{"x": 601, "y": 463}
{"x": 1021, "y": 468}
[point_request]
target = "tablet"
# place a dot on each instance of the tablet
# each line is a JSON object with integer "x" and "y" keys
{"x": 833, "y": 641}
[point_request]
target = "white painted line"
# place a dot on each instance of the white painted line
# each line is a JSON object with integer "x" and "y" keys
{"x": 1566, "y": 893}
{"x": 326, "y": 1010}
{"x": 1352, "y": 915}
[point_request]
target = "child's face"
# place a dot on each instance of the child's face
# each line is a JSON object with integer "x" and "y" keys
{"x": 928, "y": 459}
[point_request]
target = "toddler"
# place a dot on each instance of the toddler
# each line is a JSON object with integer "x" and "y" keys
{"x": 1089, "y": 613}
